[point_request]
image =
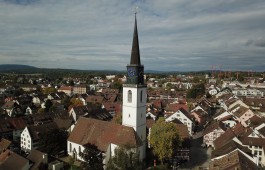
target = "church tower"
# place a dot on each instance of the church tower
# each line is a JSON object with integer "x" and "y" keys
{"x": 134, "y": 94}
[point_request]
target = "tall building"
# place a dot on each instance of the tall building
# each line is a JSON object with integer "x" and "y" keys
{"x": 134, "y": 94}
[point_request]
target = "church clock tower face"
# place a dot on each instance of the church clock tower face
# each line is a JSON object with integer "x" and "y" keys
{"x": 134, "y": 94}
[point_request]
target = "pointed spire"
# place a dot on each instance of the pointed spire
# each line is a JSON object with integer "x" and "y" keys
{"x": 135, "y": 55}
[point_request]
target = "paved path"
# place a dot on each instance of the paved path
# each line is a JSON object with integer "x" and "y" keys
{"x": 200, "y": 156}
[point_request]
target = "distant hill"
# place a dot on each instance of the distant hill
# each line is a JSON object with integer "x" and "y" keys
{"x": 26, "y": 69}
{"x": 9, "y": 67}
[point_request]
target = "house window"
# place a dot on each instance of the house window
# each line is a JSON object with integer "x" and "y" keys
{"x": 70, "y": 146}
{"x": 79, "y": 149}
{"x": 129, "y": 96}
{"x": 129, "y": 115}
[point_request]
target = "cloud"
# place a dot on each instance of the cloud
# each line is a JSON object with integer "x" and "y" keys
{"x": 258, "y": 42}
{"x": 177, "y": 35}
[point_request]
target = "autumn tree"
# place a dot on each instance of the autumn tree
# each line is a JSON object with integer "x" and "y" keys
{"x": 93, "y": 158}
{"x": 125, "y": 159}
{"x": 48, "y": 90}
{"x": 164, "y": 139}
{"x": 76, "y": 102}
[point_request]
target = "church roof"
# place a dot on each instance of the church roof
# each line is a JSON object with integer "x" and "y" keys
{"x": 103, "y": 133}
{"x": 135, "y": 54}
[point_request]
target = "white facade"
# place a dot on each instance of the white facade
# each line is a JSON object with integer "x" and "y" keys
{"x": 247, "y": 92}
{"x": 134, "y": 111}
{"x": 74, "y": 150}
{"x": 151, "y": 115}
{"x": 181, "y": 117}
{"x": 26, "y": 142}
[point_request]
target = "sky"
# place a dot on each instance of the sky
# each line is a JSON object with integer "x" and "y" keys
{"x": 174, "y": 35}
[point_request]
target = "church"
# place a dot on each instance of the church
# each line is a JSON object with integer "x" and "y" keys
{"x": 107, "y": 135}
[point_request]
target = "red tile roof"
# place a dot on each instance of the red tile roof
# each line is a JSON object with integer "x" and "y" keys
{"x": 102, "y": 133}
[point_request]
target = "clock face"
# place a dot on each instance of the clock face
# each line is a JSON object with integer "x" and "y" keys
{"x": 131, "y": 71}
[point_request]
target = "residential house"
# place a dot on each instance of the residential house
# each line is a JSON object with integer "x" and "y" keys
{"x": 11, "y": 160}
{"x": 247, "y": 92}
{"x": 152, "y": 114}
{"x": 95, "y": 99}
{"x": 4, "y": 144}
{"x": 230, "y": 103}
{"x": 12, "y": 108}
{"x": 80, "y": 89}
{"x": 183, "y": 116}
{"x": 256, "y": 104}
{"x": 241, "y": 114}
{"x": 199, "y": 115}
{"x": 11, "y": 128}
{"x": 37, "y": 100}
{"x": 32, "y": 134}
{"x": 105, "y": 135}
{"x": 85, "y": 111}
{"x": 28, "y": 87}
{"x": 233, "y": 160}
{"x": 38, "y": 159}
{"x": 112, "y": 107}
{"x": 254, "y": 139}
{"x": 68, "y": 90}
{"x": 212, "y": 132}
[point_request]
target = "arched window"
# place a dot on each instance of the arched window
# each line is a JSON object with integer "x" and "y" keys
{"x": 141, "y": 96}
{"x": 129, "y": 96}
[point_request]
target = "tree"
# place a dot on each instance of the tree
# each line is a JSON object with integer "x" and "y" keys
{"x": 117, "y": 84}
{"x": 76, "y": 102}
{"x": 125, "y": 159}
{"x": 93, "y": 157}
{"x": 53, "y": 142}
{"x": 117, "y": 118}
{"x": 196, "y": 91}
{"x": 164, "y": 139}
{"x": 48, "y": 105}
{"x": 49, "y": 90}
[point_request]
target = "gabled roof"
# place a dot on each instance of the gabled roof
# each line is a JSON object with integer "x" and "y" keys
{"x": 8, "y": 105}
{"x": 36, "y": 131}
{"x": 240, "y": 111}
{"x": 229, "y": 147}
{"x": 234, "y": 160}
{"x": 229, "y": 134}
{"x": 37, "y": 158}
{"x": 173, "y": 107}
{"x": 10, "y": 124}
{"x": 4, "y": 144}
{"x": 95, "y": 99}
{"x": 214, "y": 125}
{"x": 96, "y": 113}
{"x": 11, "y": 160}
{"x": 112, "y": 106}
{"x": 103, "y": 133}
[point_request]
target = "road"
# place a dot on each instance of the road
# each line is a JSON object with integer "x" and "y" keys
{"x": 199, "y": 156}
